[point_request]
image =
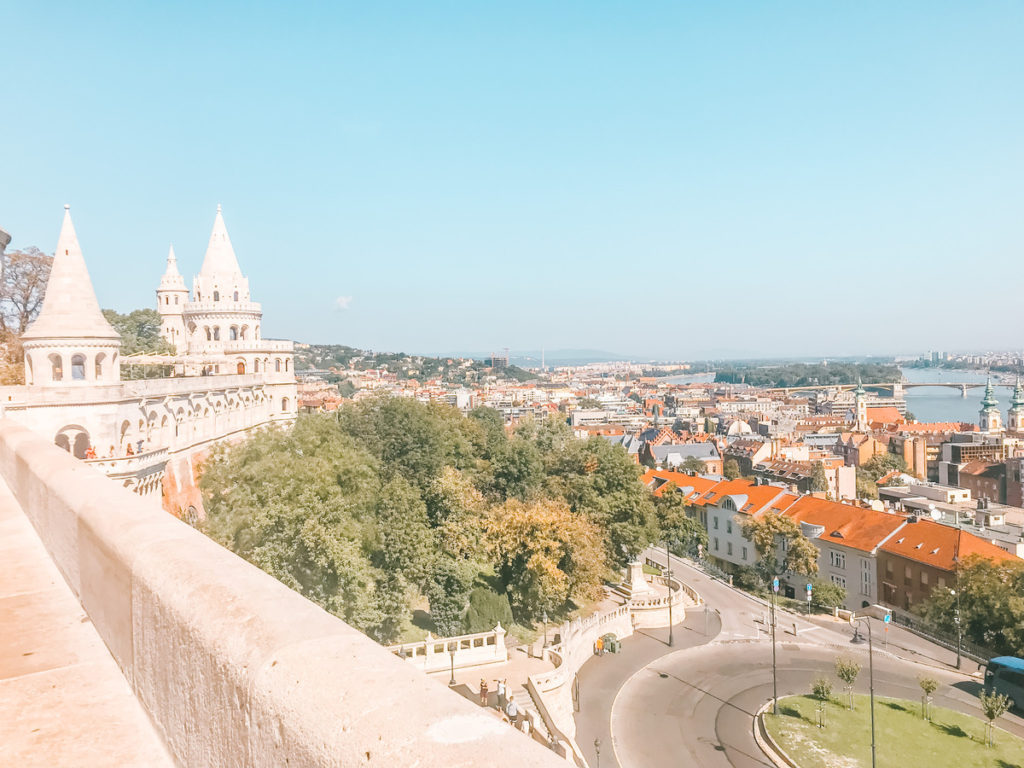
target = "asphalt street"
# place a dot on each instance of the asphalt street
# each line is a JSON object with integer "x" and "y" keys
{"x": 693, "y": 704}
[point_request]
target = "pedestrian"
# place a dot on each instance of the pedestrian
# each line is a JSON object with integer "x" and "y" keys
{"x": 113, "y": 452}
{"x": 483, "y": 692}
{"x": 138, "y": 447}
{"x": 600, "y": 646}
{"x": 512, "y": 711}
{"x": 129, "y": 451}
{"x": 501, "y": 695}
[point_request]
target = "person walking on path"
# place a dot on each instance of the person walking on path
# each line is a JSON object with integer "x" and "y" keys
{"x": 483, "y": 692}
{"x": 512, "y": 711}
{"x": 501, "y": 694}
{"x": 599, "y": 645}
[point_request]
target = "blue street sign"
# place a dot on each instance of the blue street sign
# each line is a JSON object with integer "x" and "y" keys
{"x": 808, "y": 589}
{"x": 887, "y": 618}
{"x": 775, "y": 584}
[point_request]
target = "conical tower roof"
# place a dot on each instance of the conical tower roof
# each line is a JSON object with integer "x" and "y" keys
{"x": 859, "y": 391}
{"x": 1017, "y": 401}
{"x": 172, "y": 279}
{"x": 70, "y": 309}
{"x": 220, "y": 256}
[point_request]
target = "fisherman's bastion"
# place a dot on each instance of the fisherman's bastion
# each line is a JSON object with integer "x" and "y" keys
{"x": 149, "y": 433}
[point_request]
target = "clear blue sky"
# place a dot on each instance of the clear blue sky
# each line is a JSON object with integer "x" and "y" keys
{"x": 657, "y": 179}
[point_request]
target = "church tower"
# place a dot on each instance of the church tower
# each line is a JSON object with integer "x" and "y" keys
{"x": 989, "y": 418}
{"x": 860, "y": 404}
{"x": 1015, "y": 418}
{"x": 171, "y": 298}
{"x": 70, "y": 343}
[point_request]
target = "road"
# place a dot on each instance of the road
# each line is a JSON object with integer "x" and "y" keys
{"x": 653, "y": 705}
{"x": 695, "y": 707}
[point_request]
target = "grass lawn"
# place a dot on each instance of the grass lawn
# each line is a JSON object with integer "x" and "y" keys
{"x": 650, "y": 570}
{"x": 950, "y": 740}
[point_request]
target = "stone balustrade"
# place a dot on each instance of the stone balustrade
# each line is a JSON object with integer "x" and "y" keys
{"x": 232, "y": 667}
{"x": 437, "y": 653}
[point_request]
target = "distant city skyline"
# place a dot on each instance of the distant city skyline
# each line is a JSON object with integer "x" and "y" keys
{"x": 667, "y": 181}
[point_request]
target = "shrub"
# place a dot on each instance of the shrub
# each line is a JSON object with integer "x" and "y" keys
{"x": 486, "y": 610}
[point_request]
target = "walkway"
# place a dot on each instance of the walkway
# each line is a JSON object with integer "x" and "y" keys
{"x": 63, "y": 699}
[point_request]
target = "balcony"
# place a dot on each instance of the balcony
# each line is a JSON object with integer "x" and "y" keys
{"x": 123, "y": 466}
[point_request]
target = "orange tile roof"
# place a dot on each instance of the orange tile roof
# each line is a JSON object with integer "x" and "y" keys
{"x": 699, "y": 485}
{"x": 759, "y": 497}
{"x": 856, "y": 527}
{"x": 938, "y": 545}
{"x": 939, "y": 426}
{"x": 884, "y": 415}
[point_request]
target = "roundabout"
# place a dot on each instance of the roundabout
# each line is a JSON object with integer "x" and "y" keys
{"x": 697, "y": 706}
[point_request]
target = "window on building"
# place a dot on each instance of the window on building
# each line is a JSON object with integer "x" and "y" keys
{"x": 924, "y": 578}
{"x": 277, "y": 365}
{"x": 716, "y": 523}
{"x": 839, "y": 580}
{"x": 236, "y": 295}
{"x": 209, "y": 337}
{"x": 728, "y": 548}
{"x": 216, "y": 295}
{"x": 728, "y": 526}
{"x": 743, "y": 553}
{"x": 717, "y": 548}
{"x": 175, "y": 299}
{"x": 234, "y": 333}
{"x": 78, "y": 367}
{"x": 56, "y": 368}
{"x": 837, "y": 559}
{"x": 216, "y": 333}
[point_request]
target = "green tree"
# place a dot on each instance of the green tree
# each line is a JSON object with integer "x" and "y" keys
{"x": 140, "y": 332}
{"x": 994, "y": 705}
{"x": 601, "y": 482}
{"x": 448, "y": 594}
{"x": 493, "y": 425}
{"x": 847, "y": 670}
{"x": 866, "y": 486}
{"x": 819, "y": 480}
{"x": 693, "y": 465}
{"x": 518, "y": 470}
{"x": 827, "y": 595}
{"x": 683, "y": 532}
{"x": 486, "y": 610}
{"x": 731, "y": 469}
{"x": 883, "y": 463}
{"x": 407, "y": 544}
{"x": 821, "y": 689}
{"x": 991, "y": 604}
{"x": 928, "y": 686}
{"x": 588, "y": 403}
{"x": 545, "y": 555}
{"x": 767, "y": 532}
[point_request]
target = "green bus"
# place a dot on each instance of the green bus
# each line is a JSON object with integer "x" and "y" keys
{"x": 1005, "y": 674}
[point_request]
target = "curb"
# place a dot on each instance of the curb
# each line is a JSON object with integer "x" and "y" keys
{"x": 764, "y": 740}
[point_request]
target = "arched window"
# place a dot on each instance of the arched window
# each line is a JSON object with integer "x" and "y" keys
{"x": 56, "y": 368}
{"x": 167, "y": 300}
{"x": 216, "y": 333}
{"x": 256, "y": 365}
{"x": 244, "y": 332}
{"x": 287, "y": 363}
{"x": 234, "y": 333}
{"x": 236, "y": 295}
{"x": 175, "y": 298}
{"x": 209, "y": 337}
{"x": 241, "y": 366}
{"x": 99, "y": 365}
{"x": 277, "y": 365}
{"x": 216, "y": 295}
{"x": 257, "y": 333}
{"x": 285, "y": 402}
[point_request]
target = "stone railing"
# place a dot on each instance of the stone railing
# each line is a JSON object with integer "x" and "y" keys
{"x": 436, "y": 653}
{"x": 232, "y": 667}
{"x": 126, "y": 465}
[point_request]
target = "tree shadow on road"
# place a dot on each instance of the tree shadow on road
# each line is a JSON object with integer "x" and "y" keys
{"x": 706, "y": 692}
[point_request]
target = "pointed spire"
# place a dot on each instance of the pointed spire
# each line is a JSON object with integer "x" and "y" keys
{"x": 989, "y": 401}
{"x": 220, "y": 256}
{"x": 1017, "y": 401}
{"x": 172, "y": 279}
{"x": 70, "y": 309}
{"x": 859, "y": 391}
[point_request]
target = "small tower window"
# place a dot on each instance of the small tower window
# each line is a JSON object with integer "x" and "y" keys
{"x": 167, "y": 300}
{"x": 216, "y": 332}
{"x": 234, "y": 333}
{"x": 99, "y": 365}
{"x": 78, "y": 367}
{"x": 216, "y": 295}
{"x": 277, "y": 365}
{"x": 208, "y": 336}
{"x": 175, "y": 298}
{"x": 56, "y": 368}
{"x": 236, "y": 295}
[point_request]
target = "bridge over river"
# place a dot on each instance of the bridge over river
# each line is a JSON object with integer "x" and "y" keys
{"x": 897, "y": 388}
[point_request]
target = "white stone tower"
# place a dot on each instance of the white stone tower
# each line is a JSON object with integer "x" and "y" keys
{"x": 989, "y": 418}
{"x": 70, "y": 343}
{"x": 171, "y": 297}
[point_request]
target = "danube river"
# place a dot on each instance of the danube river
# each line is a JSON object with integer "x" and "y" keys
{"x": 928, "y": 403}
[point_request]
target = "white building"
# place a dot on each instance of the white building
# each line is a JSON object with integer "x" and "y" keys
{"x": 147, "y": 432}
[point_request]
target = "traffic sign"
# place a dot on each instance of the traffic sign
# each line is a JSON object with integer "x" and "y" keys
{"x": 775, "y": 584}
{"x": 887, "y": 618}
{"x": 808, "y": 589}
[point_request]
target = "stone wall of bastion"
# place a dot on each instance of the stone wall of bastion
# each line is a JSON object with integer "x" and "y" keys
{"x": 232, "y": 667}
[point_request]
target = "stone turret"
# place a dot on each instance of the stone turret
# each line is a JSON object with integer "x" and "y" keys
{"x": 171, "y": 297}
{"x": 70, "y": 342}
{"x": 860, "y": 404}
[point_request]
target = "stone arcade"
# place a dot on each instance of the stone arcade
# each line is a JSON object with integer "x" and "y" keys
{"x": 148, "y": 433}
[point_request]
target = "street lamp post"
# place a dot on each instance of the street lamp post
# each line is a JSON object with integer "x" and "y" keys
{"x": 775, "y": 673}
{"x": 871, "y": 674}
{"x": 668, "y": 583}
{"x": 545, "y": 619}
{"x": 959, "y": 630}
{"x": 451, "y": 653}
